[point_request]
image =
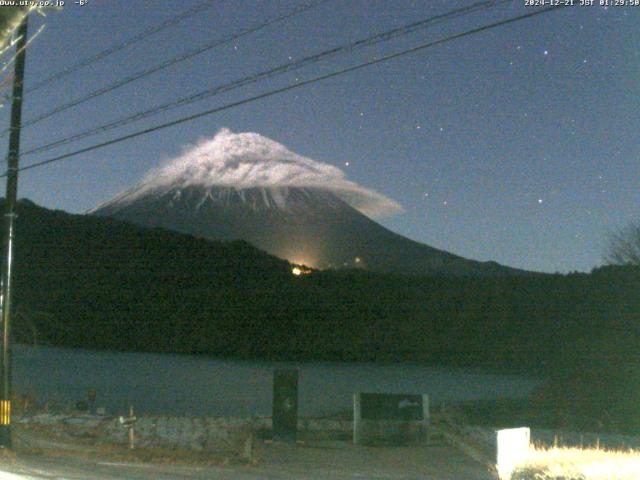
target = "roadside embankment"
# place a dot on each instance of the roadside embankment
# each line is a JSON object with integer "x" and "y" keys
{"x": 232, "y": 436}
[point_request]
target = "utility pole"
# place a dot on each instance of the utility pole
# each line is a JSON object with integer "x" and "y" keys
{"x": 9, "y": 217}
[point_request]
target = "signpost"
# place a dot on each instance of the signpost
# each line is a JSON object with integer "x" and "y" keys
{"x": 129, "y": 423}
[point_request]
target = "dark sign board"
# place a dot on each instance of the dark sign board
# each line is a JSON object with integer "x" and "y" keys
{"x": 391, "y": 406}
{"x": 285, "y": 405}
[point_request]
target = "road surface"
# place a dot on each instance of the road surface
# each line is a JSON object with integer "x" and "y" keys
{"x": 319, "y": 461}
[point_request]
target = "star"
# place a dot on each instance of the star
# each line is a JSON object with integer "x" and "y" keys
{"x": 539, "y": 200}
{"x": 546, "y": 52}
{"x": 346, "y": 164}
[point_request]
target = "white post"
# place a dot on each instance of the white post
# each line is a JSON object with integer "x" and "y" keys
{"x": 357, "y": 418}
{"x": 512, "y": 449}
{"x": 426, "y": 416}
{"x": 131, "y": 434}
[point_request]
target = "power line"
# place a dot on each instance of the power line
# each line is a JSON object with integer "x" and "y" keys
{"x": 172, "y": 61}
{"x": 287, "y": 67}
{"x": 121, "y": 46}
{"x": 290, "y": 87}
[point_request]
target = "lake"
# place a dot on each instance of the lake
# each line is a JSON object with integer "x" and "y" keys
{"x": 191, "y": 385}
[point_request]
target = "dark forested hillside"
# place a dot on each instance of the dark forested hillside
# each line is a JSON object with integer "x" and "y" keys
{"x": 100, "y": 283}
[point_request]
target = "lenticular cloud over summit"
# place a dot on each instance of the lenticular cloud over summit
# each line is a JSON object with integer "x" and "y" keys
{"x": 247, "y": 160}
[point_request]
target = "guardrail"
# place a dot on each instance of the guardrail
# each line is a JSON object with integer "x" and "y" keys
{"x": 478, "y": 447}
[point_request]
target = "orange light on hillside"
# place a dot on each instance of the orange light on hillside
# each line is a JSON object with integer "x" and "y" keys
{"x": 299, "y": 270}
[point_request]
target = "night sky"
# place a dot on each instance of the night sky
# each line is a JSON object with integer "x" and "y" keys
{"x": 519, "y": 144}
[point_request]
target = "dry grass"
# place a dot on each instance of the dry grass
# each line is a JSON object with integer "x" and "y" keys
{"x": 578, "y": 464}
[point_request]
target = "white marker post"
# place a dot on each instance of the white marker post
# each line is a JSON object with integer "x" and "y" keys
{"x": 512, "y": 449}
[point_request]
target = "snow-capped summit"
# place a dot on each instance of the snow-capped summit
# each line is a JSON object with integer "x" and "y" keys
{"x": 249, "y": 160}
{"x": 246, "y": 186}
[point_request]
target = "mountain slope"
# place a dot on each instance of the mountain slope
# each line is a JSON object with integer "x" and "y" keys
{"x": 248, "y": 187}
{"x": 102, "y": 283}
{"x": 304, "y": 225}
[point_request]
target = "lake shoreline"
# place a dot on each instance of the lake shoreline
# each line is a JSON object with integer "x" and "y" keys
{"x": 180, "y": 384}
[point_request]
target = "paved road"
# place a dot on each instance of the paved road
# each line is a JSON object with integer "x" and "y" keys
{"x": 321, "y": 461}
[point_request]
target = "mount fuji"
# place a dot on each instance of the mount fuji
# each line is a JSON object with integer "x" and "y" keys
{"x": 246, "y": 186}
